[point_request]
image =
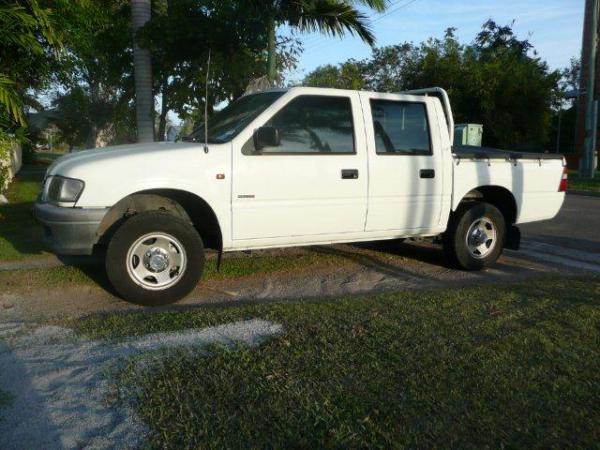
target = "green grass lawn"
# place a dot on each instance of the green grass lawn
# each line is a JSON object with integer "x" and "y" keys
{"x": 20, "y": 236}
{"x": 513, "y": 366}
{"x": 584, "y": 184}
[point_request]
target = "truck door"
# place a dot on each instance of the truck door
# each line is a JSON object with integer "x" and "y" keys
{"x": 405, "y": 165}
{"x": 314, "y": 183}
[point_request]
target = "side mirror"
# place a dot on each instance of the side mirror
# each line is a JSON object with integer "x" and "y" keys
{"x": 266, "y": 137}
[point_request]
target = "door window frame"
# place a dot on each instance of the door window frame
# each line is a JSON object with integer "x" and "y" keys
{"x": 250, "y": 141}
{"x": 401, "y": 153}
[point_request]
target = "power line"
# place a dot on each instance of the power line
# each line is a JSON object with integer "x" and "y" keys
{"x": 383, "y": 16}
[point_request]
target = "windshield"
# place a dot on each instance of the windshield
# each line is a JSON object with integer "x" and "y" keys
{"x": 226, "y": 124}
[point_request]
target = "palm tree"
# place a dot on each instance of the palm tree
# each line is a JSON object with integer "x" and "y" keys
{"x": 144, "y": 99}
{"x": 332, "y": 17}
{"x": 23, "y": 25}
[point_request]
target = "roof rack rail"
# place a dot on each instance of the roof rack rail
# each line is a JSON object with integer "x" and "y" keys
{"x": 443, "y": 96}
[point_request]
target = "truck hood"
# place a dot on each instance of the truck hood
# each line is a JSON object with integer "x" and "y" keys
{"x": 69, "y": 165}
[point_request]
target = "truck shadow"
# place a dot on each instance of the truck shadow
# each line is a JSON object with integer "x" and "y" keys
{"x": 93, "y": 268}
{"x": 367, "y": 254}
{"x": 15, "y": 433}
{"x": 17, "y": 225}
{"x": 429, "y": 254}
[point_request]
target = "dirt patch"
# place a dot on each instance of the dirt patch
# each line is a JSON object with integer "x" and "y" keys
{"x": 58, "y": 383}
{"x": 362, "y": 269}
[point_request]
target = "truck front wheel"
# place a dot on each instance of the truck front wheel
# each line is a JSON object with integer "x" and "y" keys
{"x": 475, "y": 236}
{"x": 154, "y": 258}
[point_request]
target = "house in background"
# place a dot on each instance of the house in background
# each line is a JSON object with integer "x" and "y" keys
{"x": 43, "y": 127}
{"x": 173, "y": 132}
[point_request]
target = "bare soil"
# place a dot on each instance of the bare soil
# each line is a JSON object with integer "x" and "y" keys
{"x": 364, "y": 268}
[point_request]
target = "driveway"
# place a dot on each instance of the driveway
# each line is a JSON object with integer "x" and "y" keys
{"x": 572, "y": 239}
{"x": 576, "y": 227}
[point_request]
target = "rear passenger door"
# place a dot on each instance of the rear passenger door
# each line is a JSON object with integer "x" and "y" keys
{"x": 300, "y": 190}
{"x": 405, "y": 168}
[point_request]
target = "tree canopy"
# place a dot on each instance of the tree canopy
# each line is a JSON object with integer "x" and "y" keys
{"x": 94, "y": 88}
{"x": 26, "y": 41}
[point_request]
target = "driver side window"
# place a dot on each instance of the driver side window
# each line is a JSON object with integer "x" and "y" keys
{"x": 312, "y": 124}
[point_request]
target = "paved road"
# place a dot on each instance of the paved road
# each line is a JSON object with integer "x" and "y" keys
{"x": 577, "y": 226}
{"x": 572, "y": 239}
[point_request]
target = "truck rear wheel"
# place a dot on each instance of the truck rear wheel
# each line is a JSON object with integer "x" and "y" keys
{"x": 475, "y": 236}
{"x": 155, "y": 258}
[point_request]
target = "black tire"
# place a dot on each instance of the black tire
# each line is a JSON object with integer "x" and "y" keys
{"x": 455, "y": 238}
{"x": 131, "y": 231}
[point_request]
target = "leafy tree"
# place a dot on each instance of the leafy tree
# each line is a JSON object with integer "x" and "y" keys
{"x": 348, "y": 75}
{"x": 26, "y": 34}
{"x": 95, "y": 76}
{"x": 80, "y": 119}
{"x": 564, "y": 115}
{"x": 180, "y": 35}
{"x": 513, "y": 90}
{"x": 570, "y": 76}
{"x": 27, "y": 44}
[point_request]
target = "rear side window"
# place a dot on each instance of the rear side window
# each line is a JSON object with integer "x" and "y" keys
{"x": 400, "y": 128}
{"x": 312, "y": 124}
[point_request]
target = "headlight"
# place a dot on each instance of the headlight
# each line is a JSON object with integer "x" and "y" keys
{"x": 62, "y": 190}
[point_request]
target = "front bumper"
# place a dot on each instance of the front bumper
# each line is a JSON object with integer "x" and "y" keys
{"x": 69, "y": 231}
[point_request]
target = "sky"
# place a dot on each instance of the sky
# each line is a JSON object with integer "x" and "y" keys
{"x": 554, "y": 27}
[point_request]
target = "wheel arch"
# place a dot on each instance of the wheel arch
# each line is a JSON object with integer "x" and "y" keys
{"x": 189, "y": 207}
{"x": 498, "y": 196}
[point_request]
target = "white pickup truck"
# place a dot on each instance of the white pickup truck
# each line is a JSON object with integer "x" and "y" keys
{"x": 294, "y": 167}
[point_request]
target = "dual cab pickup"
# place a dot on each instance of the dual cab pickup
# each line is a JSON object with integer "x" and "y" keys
{"x": 301, "y": 166}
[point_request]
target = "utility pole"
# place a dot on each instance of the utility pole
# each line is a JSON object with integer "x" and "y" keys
{"x": 588, "y": 166}
{"x": 558, "y": 132}
{"x": 144, "y": 98}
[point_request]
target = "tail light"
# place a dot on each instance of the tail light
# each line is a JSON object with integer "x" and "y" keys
{"x": 564, "y": 181}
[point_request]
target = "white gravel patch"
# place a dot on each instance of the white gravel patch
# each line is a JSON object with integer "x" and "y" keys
{"x": 251, "y": 332}
{"x": 10, "y": 328}
{"x": 58, "y": 384}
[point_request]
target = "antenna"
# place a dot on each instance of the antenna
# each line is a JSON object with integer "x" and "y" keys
{"x": 206, "y": 105}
